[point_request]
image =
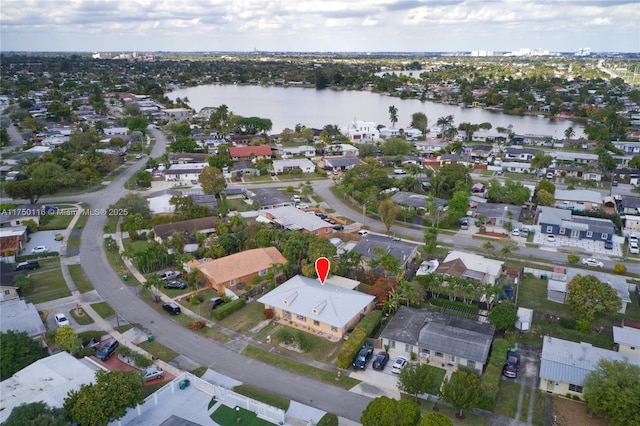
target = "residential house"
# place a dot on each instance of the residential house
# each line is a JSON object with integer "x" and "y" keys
{"x": 628, "y": 204}
{"x": 575, "y": 157}
{"x": 268, "y": 198}
{"x": 176, "y": 115}
{"x": 285, "y": 166}
{"x": 388, "y": 132}
{"x": 116, "y": 131}
{"x": 404, "y": 251}
{"x": 516, "y": 167}
{"x": 343, "y": 149}
{"x": 293, "y": 219}
{"x": 479, "y": 152}
{"x": 189, "y": 228}
{"x": 489, "y": 136}
{"x": 296, "y": 151}
{"x": 410, "y": 200}
{"x": 188, "y": 173}
{"x": 497, "y": 214}
{"x": 538, "y": 140}
{"x": 241, "y": 168}
{"x": 17, "y": 215}
{"x": 626, "y": 340}
{"x": 19, "y": 316}
{"x": 340, "y": 164}
{"x": 326, "y": 310}
{"x": 188, "y": 158}
{"x": 561, "y": 222}
{"x": 8, "y": 292}
{"x": 258, "y": 152}
{"x": 13, "y": 241}
{"x": 564, "y": 365}
{"x": 473, "y": 266}
{"x": 430, "y": 146}
{"x": 48, "y": 379}
{"x": 441, "y": 339}
{"x": 629, "y": 148}
{"x": 586, "y": 172}
{"x": 255, "y": 140}
{"x": 363, "y": 131}
{"x": 630, "y": 224}
{"x": 578, "y": 199}
{"x": 520, "y": 154}
{"x": 236, "y": 271}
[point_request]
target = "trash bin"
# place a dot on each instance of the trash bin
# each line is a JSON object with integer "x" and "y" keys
{"x": 544, "y": 277}
{"x": 149, "y": 337}
{"x": 184, "y": 384}
{"x": 79, "y": 227}
{"x": 125, "y": 277}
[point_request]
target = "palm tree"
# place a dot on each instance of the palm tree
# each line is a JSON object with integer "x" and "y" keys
{"x": 393, "y": 115}
{"x": 444, "y": 122}
{"x": 569, "y": 132}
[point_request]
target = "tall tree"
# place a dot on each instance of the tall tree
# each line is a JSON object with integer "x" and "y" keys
{"x": 613, "y": 390}
{"x": 416, "y": 378}
{"x": 590, "y": 298}
{"x": 503, "y": 316}
{"x": 420, "y": 121}
{"x": 388, "y": 212}
{"x": 393, "y": 115}
{"x": 212, "y": 181}
{"x": 569, "y": 132}
{"x": 463, "y": 391}
{"x": 31, "y": 189}
{"x": 106, "y": 400}
{"x": 17, "y": 351}
{"x": 36, "y": 414}
{"x": 381, "y": 411}
{"x": 435, "y": 419}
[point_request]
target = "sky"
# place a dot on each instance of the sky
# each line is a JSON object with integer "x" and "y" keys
{"x": 319, "y": 25}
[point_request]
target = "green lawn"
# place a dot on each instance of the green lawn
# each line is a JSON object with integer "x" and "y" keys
{"x": 73, "y": 242}
{"x": 110, "y": 226}
{"x": 80, "y": 279}
{"x": 299, "y": 368}
{"x": 328, "y": 420}
{"x": 199, "y": 371}
{"x": 539, "y": 405}
{"x": 227, "y": 416}
{"x": 84, "y": 319}
{"x": 50, "y": 222}
{"x": 321, "y": 349}
{"x": 533, "y": 294}
{"x": 524, "y": 412}
{"x": 490, "y": 380}
{"x": 507, "y": 399}
{"x": 245, "y": 319}
{"x": 135, "y": 245}
{"x": 118, "y": 266}
{"x": 239, "y": 205}
{"x": 103, "y": 309}
{"x": 158, "y": 349}
{"x": 267, "y": 397}
{"x": 48, "y": 283}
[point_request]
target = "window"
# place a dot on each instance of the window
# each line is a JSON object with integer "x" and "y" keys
{"x": 575, "y": 388}
{"x": 8, "y": 292}
{"x": 408, "y": 348}
{"x": 424, "y": 353}
{"x": 549, "y": 229}
{"x": 232, "y": 282}
{"x": 262, "y": 273}
{"x": 471, "y": 364}
{"x": 605, "y": 236}
{"x": 301, "y": 318}
{"x": 392, "y": 344}
{"x": 286, "y": 315}
{"x": 561, "y": 231}
{"x": 316, "y": 323}
{"x": 334, "y": 328}
{"x": 589, "y": 234}
{"x": 453, "y": 358}
{"x": 439, "y": 354}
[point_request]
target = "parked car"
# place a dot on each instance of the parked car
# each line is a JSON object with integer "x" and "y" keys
{"x": 152, "y": 373}
{"x": 633, "y": 238}
{"x": 512, "y": 365}
{"x": 594, "y": 263}
{"x": 338, "y": 227}
{"x": 399, "y": 172}
{"x": 614, "y": 183}
{"x": 363, "y": 232}
{"x": 27, "y": 266}
{"x": 216, "y": 301}
{"x": 633, "y": 248}
{"x": 175, "y": 285}
{"x": 515, "y": 232}
{"x": 551, "y": 238}
{"x": 93, "y": 344}
{"x": 39, "y": 249}
{"x": 171, "y": 307}
{"x": 51, "y": 209}
{"x": 399, "y": 364}
{"x": 61, "y": 319}
{"x": 108, "y": 349}
{"x": 169, "y": 275}
{"x": 380, "y": 360}
{"x": 524, "y": 232}
{"x": 363, "y": 357}
{"x": 608, "y": 245}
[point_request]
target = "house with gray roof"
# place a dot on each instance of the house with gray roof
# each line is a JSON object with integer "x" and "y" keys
{"x": 498, "y": 213}
{"x": 340, "y": 164}
{"x": 18, "y": 315}
{"x": 294, "y": 219}
{"x": 410, "y": 199}
{"x": 628, "y": 204}
{"x": 562, "y": 223}
{"x": 327, "y": 310}
{"x": 269, "y": 198}
{"x": 564, "y": 364}
{"x": 404, "y": 251}
{"x": 578, "y": 199}
{"x": 520, "y": 154}
{"x": 440, "y": 338}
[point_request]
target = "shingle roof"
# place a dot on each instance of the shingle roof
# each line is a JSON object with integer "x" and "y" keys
{"x": 247, "y": 151}
{"x": 269, "y": 197}
{"x": 401, "y": 250}
{"x": 165, "y": 230}
{"x": 342, "y": 161}
{"x": 410, "y": 199}
{"x": 326, "y": 303}
{"x": 239, "y": 264}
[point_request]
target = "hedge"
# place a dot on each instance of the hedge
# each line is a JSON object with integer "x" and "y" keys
{"x": 26, "y": 257}
{"x": 350, "y": 348}
{"x": 490, "y": 380}
{"x": 227, "y": 309}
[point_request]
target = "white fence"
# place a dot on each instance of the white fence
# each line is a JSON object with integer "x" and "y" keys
{"x": 540, "y": 273}
{"x": 226, "y": 396}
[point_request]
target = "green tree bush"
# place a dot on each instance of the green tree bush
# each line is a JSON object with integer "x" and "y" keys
{"x": 17, "y": 351}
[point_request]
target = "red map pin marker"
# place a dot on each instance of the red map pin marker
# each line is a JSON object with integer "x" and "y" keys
{"x": 322, "y": 268}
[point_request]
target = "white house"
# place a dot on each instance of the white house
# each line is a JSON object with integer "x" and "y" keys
{"x": 184, "y": 172}
{"x": 479, "y": 267}
{"x": 294, "y": 151}
{"x": 176, "y": 114}
{"x": 627, "y": 340}
{"x": 363, "y": 131}
{"x": 512, "y": 166}
{"x": 285, "y": 166}
{"x": 113, "y": 131}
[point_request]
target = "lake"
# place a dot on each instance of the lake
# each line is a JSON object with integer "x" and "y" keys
{"x": 288, "y": 106}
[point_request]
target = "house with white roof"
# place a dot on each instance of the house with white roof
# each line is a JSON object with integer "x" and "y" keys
{"x": 49, "y": 380}
{"x": 362, "y": 131}
{"x": 295, "y": 151}
{"x": 20, "y": 316}
{"x": 564, "y": 365}
{"x": 626, "y": 340}
{"x": 294, "y": 219}
{"x": 185, "y": 173}
{"x": 285, "y": 166}
{"x": 327, "y": 310}
{"x": 477, "y": 267}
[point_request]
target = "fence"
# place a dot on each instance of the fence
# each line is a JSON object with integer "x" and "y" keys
{"x": 543, "y": 274}
{"x": 226, "y": 396}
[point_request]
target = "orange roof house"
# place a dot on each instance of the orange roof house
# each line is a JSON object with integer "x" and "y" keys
{"x": 260, "y": 152}
{"x": 236, "y": 271}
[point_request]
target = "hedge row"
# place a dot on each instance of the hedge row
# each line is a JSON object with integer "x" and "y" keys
{"x": 350, "y": 348}
{"x": 227, "y": 309}
{"x": 490, "y": 380}
{"x": 35, "y": 256}
{"x": 453, "y": 304}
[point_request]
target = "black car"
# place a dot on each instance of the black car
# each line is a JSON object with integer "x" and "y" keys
{"x": 380, "y": 360}
{"x": 176, "y": 285}
{"x": 27, "y": 266}
{"x": 363, "y": 357}
{"x": 108, "y": 349}
{"x": 172, "y": 308}
{"x": 216, "y": 301}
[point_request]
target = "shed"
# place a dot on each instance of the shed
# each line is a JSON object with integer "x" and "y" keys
{"x": 525, "y": 319}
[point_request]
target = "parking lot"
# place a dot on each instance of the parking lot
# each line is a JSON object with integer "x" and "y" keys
{"x": 376, "y": 382}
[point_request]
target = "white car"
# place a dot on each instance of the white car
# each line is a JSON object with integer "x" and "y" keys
{"x": 39, "y": 249}
{"x": 363, "y": 232}
{"x": 593, "y": 263}
{"x": 515, "y": 232}
{"x": 633, "y": 248}
{"x": 399, "y": 364}
{"x": 399, "y": 172}
{"x": 61, "y": 320}
{"x": 551, "y": 238}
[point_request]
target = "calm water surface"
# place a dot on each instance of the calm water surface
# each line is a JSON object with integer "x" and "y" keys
{"x": 286, "y": 107}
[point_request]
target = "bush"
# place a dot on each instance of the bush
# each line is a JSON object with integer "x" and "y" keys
{"x": 285, "y": 335}
{"x": 619, "y": 268}
{"x": 350, "y": 348}
{"x": 370, "y": 322}
{"x": 196, "y": 325}
{"x": 583, "y": 326}
{"x": 123, "y": 351}
{"x": 576, "y": 398}
{"x": 267, "y": 313}
{"x": 573, "y": 258}
{"x": 303, "y": 341}
{"x": 568, "y": 323}
{"x": 228, "y": 308}
{"x": 140, "y": 360}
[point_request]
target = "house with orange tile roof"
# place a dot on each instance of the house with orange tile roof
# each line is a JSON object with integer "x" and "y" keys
{"x": 259, "y": 152}
{"x": 13, "y": 241}
{"x": 236, "y": 271}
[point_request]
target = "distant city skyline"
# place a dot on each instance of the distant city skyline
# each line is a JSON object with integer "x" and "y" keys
{"x": 319, "y": 26}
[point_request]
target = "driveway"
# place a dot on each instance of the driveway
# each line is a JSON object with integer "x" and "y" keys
{"x": 590, "y": 247}
{"x": 44, "y": 238}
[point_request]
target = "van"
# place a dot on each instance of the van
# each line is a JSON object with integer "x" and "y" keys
{"x": 108, "y": 349}
{"x": 296, "y": 199}
{"x": 28, "y": 266}
{"x": 172, "y": 308}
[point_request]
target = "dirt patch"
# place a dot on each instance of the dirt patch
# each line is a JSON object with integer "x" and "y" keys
{"x": 573, "y": 413}
{"x": 493, "y": 234}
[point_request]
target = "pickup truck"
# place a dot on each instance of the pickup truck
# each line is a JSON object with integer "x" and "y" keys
{"x": 363, "y": 357}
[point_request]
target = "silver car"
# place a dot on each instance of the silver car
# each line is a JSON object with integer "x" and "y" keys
{"x": 152, "y": 373}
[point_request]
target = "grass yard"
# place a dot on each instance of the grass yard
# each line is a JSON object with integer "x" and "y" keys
{"x": 103, "y": 309}
{"x": 470, "y": 418}
{"x": 299, "y": 368}
{"x": 227, "y": 416}
{"x": 134, "y": 245}
{"x": 507, "y": 399}
{"x": 533, "y": 294}
{"x": 328, "y": 420}
{"x": 83, "y": 319}
{"x": 51, "y": 222}
{"x": 158, "y": 349}
{"x": 80, "y": 279}
{"x": 321, "y": 349}
{"x": 257, "y": 179}
{"x": 239, "y": 205}
{"x": 539, "y": 329}
{"x": 539, "y": 406}
{"x": 267, "y": 397}
{"x": 48, "y": 283}
{"x": 118, "y": 266}
{"x": 73, "y": 242}
{"x": 245, "y": 319}
{"x": 526, "y": 398}
{"x": 199, "y": 372}
{"x": 110, "y": 226}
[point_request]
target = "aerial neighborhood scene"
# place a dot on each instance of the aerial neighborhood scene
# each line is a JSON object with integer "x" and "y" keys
{"x": 378, "y": 213}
